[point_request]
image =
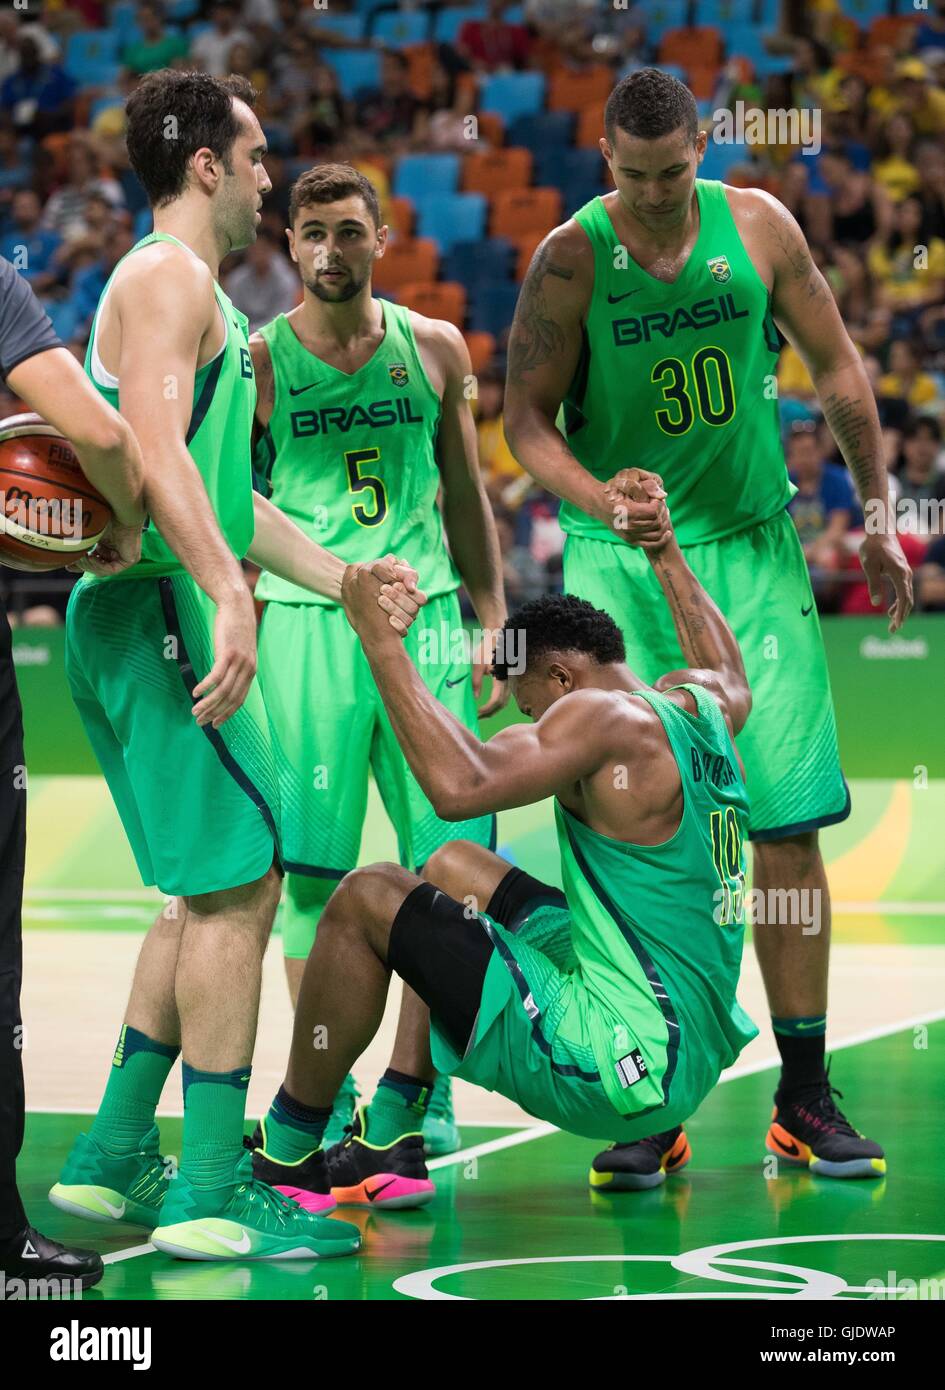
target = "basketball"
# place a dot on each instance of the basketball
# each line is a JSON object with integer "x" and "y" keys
{"x": 50, "y": 514}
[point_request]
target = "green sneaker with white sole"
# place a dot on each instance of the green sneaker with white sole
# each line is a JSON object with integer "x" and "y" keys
{"x": 342, "y": 1113}
{"x": 440, "y": 1130}
{"x": 99, "y": 1186}
{"x": 245, "y": 1219}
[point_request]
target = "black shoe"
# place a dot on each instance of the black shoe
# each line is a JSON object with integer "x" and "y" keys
{"x": 363, "y": 1175}
{"x": 306, "y": 1182}
{"x": 31, "y": 1255}
{"x": 645, "y": 1163}
{"x": 808, "y": 1130}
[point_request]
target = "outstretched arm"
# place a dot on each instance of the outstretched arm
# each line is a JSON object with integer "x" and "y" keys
{"x": 462, "y": 776}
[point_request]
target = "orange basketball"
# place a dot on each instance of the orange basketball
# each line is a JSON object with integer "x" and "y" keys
{"x": 50, "y": 514}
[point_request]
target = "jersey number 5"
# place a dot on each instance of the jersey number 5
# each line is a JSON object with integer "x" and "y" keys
{"x": 727, "y": 854}
{"x": 715, "y": 391}
{"x": 358, "y": 482}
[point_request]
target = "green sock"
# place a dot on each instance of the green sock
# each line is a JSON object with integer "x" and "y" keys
{"x": 291, "y": 1130}
{"x": 214, "y": 1111}
{"x": 135, "y": 1081}
{"x": 398, "y": 1107}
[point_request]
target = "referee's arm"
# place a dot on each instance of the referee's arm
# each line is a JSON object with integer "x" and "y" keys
{"x": 45, "y": 375}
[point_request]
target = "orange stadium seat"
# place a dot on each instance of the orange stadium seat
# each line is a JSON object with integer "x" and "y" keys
{"x": 438, "y": 299}
{"x": 571, "y": 90}
{"x": 490, "y": 171}
{"x": 400, "y": 214}
{"x": 590, "y": 126}
{"x": 889, "y": 29}
{"x": 696, "y": 46}
{"x": 519, "y": 211}
{"x": 491, "y": 128}
{"x": 525, "y": 247}
{"x": 420, "y": 58}
{"x": 702, "y": 80}
{"x": 481, "y": 348}
{"x": 406, "y": 261}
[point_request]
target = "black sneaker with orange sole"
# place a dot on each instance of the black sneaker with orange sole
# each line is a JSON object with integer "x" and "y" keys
{"x": 363, "y": 1174}
{"x": 645, "y": 1163}
{"x": 809, "y": 1130}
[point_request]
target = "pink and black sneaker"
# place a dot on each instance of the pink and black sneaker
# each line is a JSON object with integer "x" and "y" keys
{"x": 306, "y": 1182}
{"x": 364, "y": 1175}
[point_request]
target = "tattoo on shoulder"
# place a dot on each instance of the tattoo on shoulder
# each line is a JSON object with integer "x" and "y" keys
{"x": 797, "y": 254}
{"x": 535, "y": 337}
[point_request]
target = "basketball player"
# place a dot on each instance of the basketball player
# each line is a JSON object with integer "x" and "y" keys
{"x": 43, "y": 373}
{"x": 362, "y": 414}
{"x": 651, "y": 317}
{"x": 161, "y": 661}
{"x": 606, "y": 1009}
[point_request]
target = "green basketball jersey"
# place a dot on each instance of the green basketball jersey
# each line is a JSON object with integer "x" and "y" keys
{"x": 679, "y": 378}
{"x": 351, "y": 458}
{"x": 657, "y": 929}
{"x": 219, "y": 436}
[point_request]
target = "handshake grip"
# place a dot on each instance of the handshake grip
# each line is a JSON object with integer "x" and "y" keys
{"x": 639, "y": 514}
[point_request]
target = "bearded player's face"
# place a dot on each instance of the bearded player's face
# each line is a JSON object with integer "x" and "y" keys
{"x": 335, "y": 246}
{"x": 655, "y": 178}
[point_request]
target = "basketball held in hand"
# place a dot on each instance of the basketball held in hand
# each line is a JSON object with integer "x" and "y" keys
{"x": 50, "y": 514}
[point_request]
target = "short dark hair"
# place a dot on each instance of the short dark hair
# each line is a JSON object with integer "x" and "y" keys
{"x": 329, "y": 183}
{"x": 562, "y": 623}
{"x": 202, "y": 108}
{"x": 923, "y": 424}
{"x": 650, "y": 103}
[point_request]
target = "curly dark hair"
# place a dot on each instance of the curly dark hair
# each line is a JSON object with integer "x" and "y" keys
{"x": 650, "y": 103}
{"x": 562, "y": 623}
{"x": 329, "y": 183}
{"x": 197, "y": 110}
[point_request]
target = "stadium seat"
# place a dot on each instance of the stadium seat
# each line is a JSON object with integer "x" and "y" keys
{"x": 491, "y": 129}
{"x": 492, "y": 308}
{"x": 401, "y": 214}
{"x": 416, "y": 175}
{"x": 887, "y": 29}
{"x": 702, "y": 81}
{"x": 474, "y": 263}
{"x": 438, "y": 299}
{"x": 179, "y": 11}
{"x": 662, "y": 15}
{"x": 491, "y": 170}
{"x": 406, "y": 261}
{"x": 420, "y": 59}
{"x": 698, "y": 46}
{"x": 357, "y": 69}
{"x": 144, "y": 224}
{"x": 745, "y": 41}
{"x": 555, "y": 168}
{"x": 518, "y": 211}
{"x": 719, "y": 159}
{"x": 863, "y": 11}
{"x": 63, "y": 316}
{"x": 346, "y": 26}
{"x": 525, "y": 248}
{"x": 92, "y": 57}
{"x": 590, "y": 126}
{"x": 451, "y": 217}
{"x": 570, "y": 89}
{"x": 448, "y": 22}
{"x": 397, "y": 28}
{"x": 123, "y": 20}
{"x": 549, "y": 130}
{"x": 481, "y": 347}
{"x": 512, "y": 94}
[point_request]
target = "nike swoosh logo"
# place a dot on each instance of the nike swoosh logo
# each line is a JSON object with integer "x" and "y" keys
{"x": 239, "y": 1247}
{"x": 616, "y": 298}
{"x": 805, "y": 611}
{"x": 378, "y": 1190}
{"x": 458, "y": 681}
{"x": 801, "y": 1026}
{"x": 790, "y": 1148}
{"x": 297, "y": 390}
{"x": 116, "y": 1212}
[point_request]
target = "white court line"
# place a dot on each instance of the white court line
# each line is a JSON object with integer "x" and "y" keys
{"x": 544, "y": 1130}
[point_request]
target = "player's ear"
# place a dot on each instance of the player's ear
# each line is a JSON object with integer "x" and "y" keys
{"x": 605, "y": 149}
{"x": 381, "y": 241}
{"x": 290, "y": 238}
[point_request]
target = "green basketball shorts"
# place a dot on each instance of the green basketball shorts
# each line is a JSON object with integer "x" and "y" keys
{"x": 330, "y": 727}
{"x": 200, "y": 806}
{"x": 759, "y": 579}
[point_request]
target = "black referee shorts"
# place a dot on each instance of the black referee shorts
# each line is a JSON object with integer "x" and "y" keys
{"x": 443, "y": 954}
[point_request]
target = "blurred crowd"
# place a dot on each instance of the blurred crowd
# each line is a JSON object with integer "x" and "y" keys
{"x": 871, "y": 202}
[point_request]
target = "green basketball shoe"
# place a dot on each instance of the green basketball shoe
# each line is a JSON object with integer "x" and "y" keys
{"x": 245, "y": 1219}
{"x": 342, "y": 1113}
{"x": 100, "y": 1186}
{"x": 440, "y": 1131}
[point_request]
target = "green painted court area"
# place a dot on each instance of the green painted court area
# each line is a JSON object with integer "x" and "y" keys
{"x": 519, "y": 1222}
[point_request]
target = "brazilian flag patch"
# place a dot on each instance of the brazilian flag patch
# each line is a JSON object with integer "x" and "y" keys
{"x": 720, "y": 269}
{"x": 398, "y": 373}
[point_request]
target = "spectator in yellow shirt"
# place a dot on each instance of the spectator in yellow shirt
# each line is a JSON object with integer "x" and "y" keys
{"x": 909, "y": 274}
{"x": 893, "y": 168}
{"x": 905, "y": 378}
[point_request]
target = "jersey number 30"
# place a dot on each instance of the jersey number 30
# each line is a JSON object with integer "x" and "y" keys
{"x": 363, "y": 514}
{"x": 727, "y": 854}
{"x": 711, "y": 375}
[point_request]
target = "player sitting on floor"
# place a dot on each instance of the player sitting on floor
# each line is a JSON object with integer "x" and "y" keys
{"x": 608, "y": 1009}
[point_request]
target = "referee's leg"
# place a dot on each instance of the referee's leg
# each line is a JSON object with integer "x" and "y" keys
{"x": 24, "y": 1252}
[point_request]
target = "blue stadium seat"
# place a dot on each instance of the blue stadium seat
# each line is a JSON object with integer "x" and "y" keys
{"x": 492, "y": 309}
{"x": 179, "y": 11}
{"x": 357, "y": 68}
{"x": 720, "y": 158}
{"x": 662, "y": 15}
{"x": 515, "y": 14}
{"x": 64, "y": 317}
{"x": 865, "y": 10}
{"x": 92, "y": 57}
{"x": 475, "y": 263}
{"x": 417, "y": 174}
{"x": 558, "y": 167}
{"x": 123, "y": 17}
{"x": 398, "y": 28}
{"x": 512, "y": 94}
{"x": 346, "y": 26}
{"x": 144, "y": 224}
{"x": 578, "y": 191}
{"x": 745, "y": 41}
{"x": 721, "y": 13}
{"x": 451, "y": 217}
{"x": 448, "y": 22}
{"x": 548, "y": 130}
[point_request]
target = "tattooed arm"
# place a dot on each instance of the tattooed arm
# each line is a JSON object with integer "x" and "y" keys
{"x": 544, "y": 351}
{"x": 806, "y": 312}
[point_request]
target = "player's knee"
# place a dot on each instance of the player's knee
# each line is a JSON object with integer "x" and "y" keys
{"x": 449, "y": 866}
